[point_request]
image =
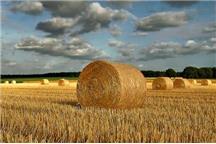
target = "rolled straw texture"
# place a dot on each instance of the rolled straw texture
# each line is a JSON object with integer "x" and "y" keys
{"x": 194, "y": 82}
{"x": 206, "y": 82}
{"x": 181, "y": 83}
{"x": 63, "y": 82}
{"x": 111, "y": 85}
{"x": 162, "y": 83}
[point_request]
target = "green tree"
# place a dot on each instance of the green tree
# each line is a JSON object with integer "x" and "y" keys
{"x": 205, "y": 73}
{"x": 190, "y": 72}
{"x": 214, "y": 72}
{"x": 170, "y": 73}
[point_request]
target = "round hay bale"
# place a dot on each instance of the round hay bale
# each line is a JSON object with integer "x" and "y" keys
{"x": 45, "y": 82}
{"x": 192, "y": 81}
{"x": 111, "y": 85}
{"x": 206, "y": 82}
{"x": 162, "y": 83}
{"x": 13, "y": 82}
{"x": 6, "y": 82}
{"x": 181, "y": 83}
{"x": 63, "y": 82}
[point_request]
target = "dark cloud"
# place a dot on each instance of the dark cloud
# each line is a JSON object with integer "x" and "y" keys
{"x": 161, "y": 20}
{"x": 28, "y": 7}
{"x": 97, "y": 17}
{"x": 180, "y": 4}
{"x": 166, "y": 50}
{"x": 57, "y": 25}
{"x": 74, "y": 48}
{"x": 65, "y": 8}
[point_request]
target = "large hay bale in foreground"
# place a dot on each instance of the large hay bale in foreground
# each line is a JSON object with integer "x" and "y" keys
{"x": 181, "y": 83}
{"x": 63, "y": 82}
{"x": 13, "y": 82}
{"x": 162, "y": 83}
{"x": 206, "y": 82}
{"x": 111, "y": 85}
{"x": 192, "y": 81}
{"x": 45, "y": 82}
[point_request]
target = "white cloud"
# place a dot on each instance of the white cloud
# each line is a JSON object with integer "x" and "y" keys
{"x": 161, "y": 20}
{"x": 57, "y": 25}
{"x": 75, "y": 48}
{"x": 29, "y": 7}
{"x": 164, "y": 50}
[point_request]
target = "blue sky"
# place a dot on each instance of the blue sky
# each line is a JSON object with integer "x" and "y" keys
{"x": 42, "y": 36}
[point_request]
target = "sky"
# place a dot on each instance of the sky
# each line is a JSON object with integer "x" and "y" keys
{"x": 64, "y": 36}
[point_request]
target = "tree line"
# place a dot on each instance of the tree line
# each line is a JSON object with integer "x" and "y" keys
{"x": 188, "y": 72}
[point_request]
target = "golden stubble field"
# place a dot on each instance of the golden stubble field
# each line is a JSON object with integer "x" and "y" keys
{"x": 31, "y": 112}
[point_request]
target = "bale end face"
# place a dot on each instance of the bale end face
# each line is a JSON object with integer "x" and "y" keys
{"x": 181, "y": 83}
{"x": 63, "y": 82}
{"x": 162, "y": 83}
{"x": 192, "y": 81}
{"x": 111, "y": 85}
{"x": 206, "y": 82}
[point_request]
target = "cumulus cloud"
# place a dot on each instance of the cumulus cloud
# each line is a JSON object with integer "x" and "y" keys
{"x": 164, "y": 50}
{"x": 161, "y": 20}
{"x": 75, "y": 48}
{"x": 57, "y": 25}
{"x": 28, "y": 7}
{"x": 65, "y": 8}
{"x": 97, "y": 17}
{"x": 115, "y": 30}
{"x": 66, "y": 14}
{"x": 124, "y": 48}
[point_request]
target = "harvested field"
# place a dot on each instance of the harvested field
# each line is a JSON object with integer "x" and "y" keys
{"x": 49, "y": 113}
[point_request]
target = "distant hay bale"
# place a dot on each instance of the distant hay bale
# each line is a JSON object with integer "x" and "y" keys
{"x": 162, "y": 83}
{"x": 192, "y": 81}
{"x": 6, "y": 82}
{"x": 13, "y": 82}
{"x": 45, "y": 82}
{"x": 63, "y": 82}
{"x": 111, "y": 85}
{"x": 206, "y": 82}
{"x": 181, "y": 83}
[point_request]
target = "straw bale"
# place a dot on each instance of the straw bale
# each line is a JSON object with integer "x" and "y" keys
{"x": 63, "y": 82}
{"x": 111, "y": 85}
{"x": 192, "y": 81}
{"x": 206, "y": 82}
{"x": 181, "y": 83}
{"x": 45, "y": 82}
{"x": 162, "y": 83}
{"x": 6, "y": 82}
{"x": 13, "y": 82}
